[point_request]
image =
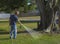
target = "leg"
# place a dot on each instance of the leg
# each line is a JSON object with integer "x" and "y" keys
{"x": 15, "y": 32}
{"x": 11, "y": 31}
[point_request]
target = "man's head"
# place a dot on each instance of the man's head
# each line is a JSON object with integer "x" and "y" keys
{"x": 16, "y": 12}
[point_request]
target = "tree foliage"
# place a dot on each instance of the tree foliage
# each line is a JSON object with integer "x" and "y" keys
{"x": 7, "y": 5}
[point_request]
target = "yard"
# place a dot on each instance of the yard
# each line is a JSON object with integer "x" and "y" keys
{"x": 26, "y": 38}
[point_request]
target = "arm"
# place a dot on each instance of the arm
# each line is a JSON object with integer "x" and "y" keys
{"x": 19, "y": 23}
{"x": 16, "y": 18}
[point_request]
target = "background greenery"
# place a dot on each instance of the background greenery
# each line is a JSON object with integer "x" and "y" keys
{"x": 9, "y": 5}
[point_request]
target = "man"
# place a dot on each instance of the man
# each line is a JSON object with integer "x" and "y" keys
{"x": 13, "y": 19}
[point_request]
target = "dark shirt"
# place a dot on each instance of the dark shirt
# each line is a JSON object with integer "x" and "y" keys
{"x": 13, "y": 19}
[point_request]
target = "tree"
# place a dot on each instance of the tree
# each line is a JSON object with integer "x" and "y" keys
{"x": 47, "y": 10}
{"x": 58, "y": 4}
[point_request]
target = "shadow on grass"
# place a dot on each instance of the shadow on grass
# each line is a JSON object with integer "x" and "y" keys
{"x": 1, "y": 39}
{"x": 5, "y": 32}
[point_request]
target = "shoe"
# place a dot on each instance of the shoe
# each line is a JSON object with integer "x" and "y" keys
{"x": 10, "y": 37}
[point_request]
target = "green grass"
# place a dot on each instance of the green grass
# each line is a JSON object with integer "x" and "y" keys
{"x": 4, "y": 26}
{"x": 32, "y": 17}
{"x": 25, "y": 38}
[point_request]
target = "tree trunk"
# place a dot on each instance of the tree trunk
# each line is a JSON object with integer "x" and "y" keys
{"x": 59, "y": 19}
{"x": 45, "y": 13}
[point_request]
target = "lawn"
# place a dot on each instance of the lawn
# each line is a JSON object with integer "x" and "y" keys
{"x": 4, "y": 26}
{"x": 25, "y": 38}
